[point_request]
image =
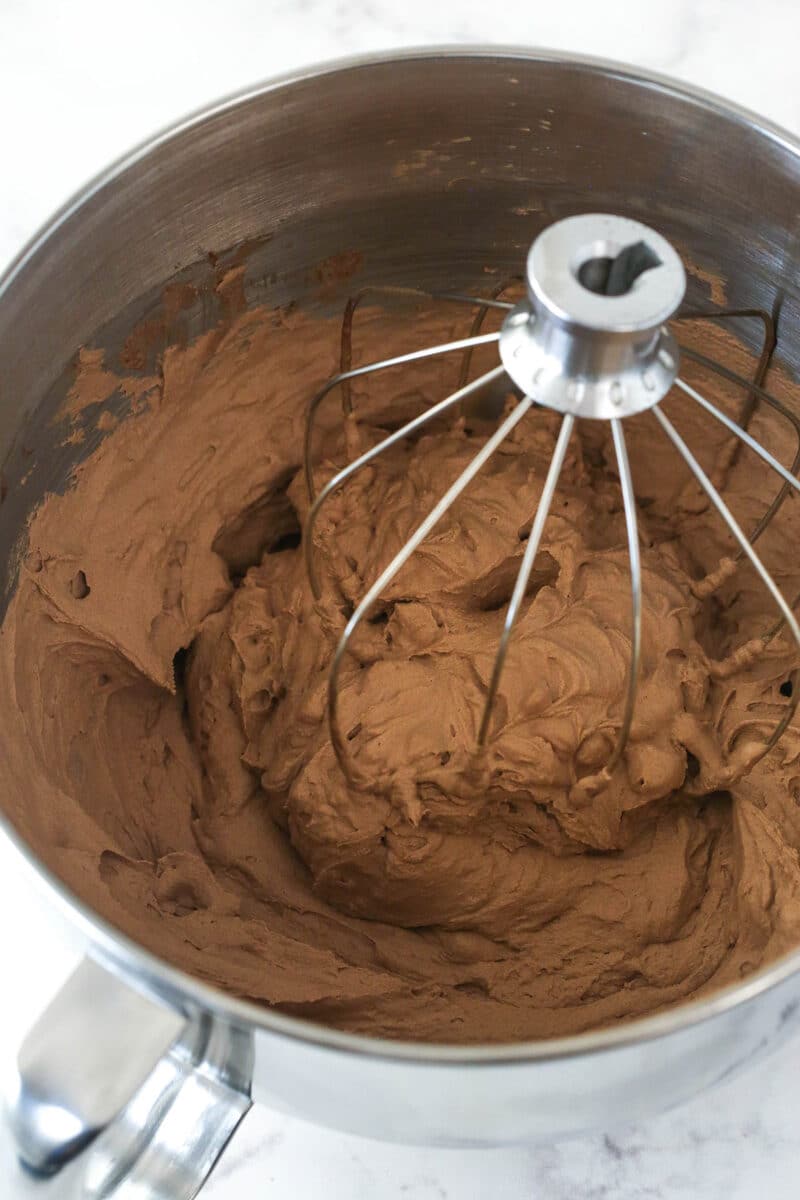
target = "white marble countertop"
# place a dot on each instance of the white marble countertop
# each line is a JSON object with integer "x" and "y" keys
{"x": 81, "y": 82}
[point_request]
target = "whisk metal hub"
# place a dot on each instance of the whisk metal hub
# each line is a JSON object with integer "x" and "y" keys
{"x": 590, "y": 338}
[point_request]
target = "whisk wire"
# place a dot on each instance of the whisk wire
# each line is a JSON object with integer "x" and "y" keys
{"x": 493, "y": 302}
{"x": 755, "y": 392}
{"x": 369, "y": 369}
{"x": 768, "y": 343}
{"x": 338, "y": 738}
{"x": 395, "y": 291}
{"x": 740, "y": 433}
{"x": 342, "y": 476}
{"x": 524, "y": 573}
{"x": 629, "y": 505}
{"x": 749, "y": 552}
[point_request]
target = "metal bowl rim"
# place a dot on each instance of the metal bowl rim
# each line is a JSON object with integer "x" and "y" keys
{"x": 143, "y": 969}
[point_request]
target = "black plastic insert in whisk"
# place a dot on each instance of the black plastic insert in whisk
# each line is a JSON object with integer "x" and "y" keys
{"x": 615, "y": 276}
{"x": 589, "y": 341}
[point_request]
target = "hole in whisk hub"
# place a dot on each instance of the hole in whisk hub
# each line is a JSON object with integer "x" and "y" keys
{"x": 607, "y": 273}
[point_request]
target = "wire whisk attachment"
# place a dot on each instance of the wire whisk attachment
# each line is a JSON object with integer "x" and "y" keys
{"x": 590, "y": 342}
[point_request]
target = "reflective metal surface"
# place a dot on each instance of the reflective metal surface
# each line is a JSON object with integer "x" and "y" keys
{"x": 591, "y": 340}
{"x": 138, "y": 1099}
{"x": 411, "y": 145}
{"x": 76, "y": 1074}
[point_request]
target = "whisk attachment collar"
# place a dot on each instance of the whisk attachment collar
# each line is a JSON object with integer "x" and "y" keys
{"x": 590, "y": 338}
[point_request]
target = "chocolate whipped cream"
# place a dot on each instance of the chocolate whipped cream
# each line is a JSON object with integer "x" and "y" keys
{"x": 163, "y": 675}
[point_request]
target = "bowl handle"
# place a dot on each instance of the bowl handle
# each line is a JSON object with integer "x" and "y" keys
{"x": 125, "y": 1092}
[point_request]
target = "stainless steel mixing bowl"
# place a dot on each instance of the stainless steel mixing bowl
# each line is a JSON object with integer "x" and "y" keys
{"x": 432, "y": 165}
